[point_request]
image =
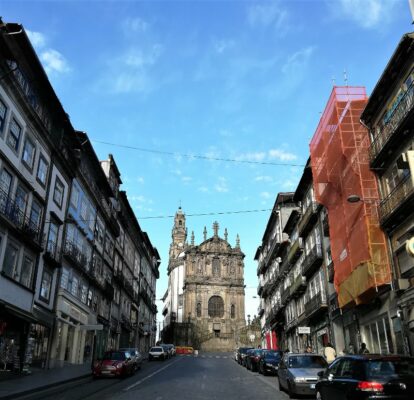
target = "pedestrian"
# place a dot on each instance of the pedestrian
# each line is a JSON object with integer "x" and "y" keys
{"x": 363, "y": 349}
{"x": 330, "y": 353}
{"x": 308, "y": 349}
{"x": 287, "y": 351}
{"x": 351, "y": 349}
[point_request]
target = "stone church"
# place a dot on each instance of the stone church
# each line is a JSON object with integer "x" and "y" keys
{"x": 206, "y": 287}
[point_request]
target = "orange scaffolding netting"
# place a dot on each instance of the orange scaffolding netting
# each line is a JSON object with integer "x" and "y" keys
{"x": 340, "y": 168}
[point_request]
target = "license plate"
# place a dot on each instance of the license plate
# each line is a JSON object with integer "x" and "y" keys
{"x": 312, "y": 386}
{"x": 106, "y": 372}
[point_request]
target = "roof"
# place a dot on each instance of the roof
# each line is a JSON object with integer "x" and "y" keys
{"x": 304, "y": 183}
{"x": 384, "y": 86}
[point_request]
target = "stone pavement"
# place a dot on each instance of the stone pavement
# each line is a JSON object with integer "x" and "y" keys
{"x": 18, "y": 385}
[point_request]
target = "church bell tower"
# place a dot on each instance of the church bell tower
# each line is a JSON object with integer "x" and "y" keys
{"x": 178, "y": 235}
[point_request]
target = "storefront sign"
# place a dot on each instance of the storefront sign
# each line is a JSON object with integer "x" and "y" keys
{"x": 322, "y": 332}
{"x": 303, "y": 330}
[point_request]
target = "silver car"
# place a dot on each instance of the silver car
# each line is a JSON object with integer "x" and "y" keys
{"x": 136, "y": 356}
{"x": 298, "y": 373}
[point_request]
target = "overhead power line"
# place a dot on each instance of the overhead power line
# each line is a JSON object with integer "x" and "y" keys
{"x": 210, "y": 213}
{"x": 197, "y": 156}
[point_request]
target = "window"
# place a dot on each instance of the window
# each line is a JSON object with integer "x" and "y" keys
{"x": 58, "y": 193}
{"x": 52, "y": 237}
{"x": 99, "y": 232}
{"x": 42, "y": 170}
{"x": 74, "y": 289}
{"x": 198, "y": 310}
{"x": 10, "y": 260}
{"x": 13, "y": 138}
{"x": 26, "y": 272}
{"x": 233, "y": 311}
{"x": 5, "y": 182}
{"x": 3, "y": 113}
{"x": 28, "y": 153}
{"x": 21, "y": 198}
{"x": 74, "y": 198}
{"x": 91, "y": 219}
{"x": 35, "y": 215}
{"x": 84, "y": 209}
{"x": 216, "y": 267}
{"x": 84, "y": 292}
{"x": 215, "y": 307}
{"x": 64, "y": 281}
{"x": 46, "y": 285}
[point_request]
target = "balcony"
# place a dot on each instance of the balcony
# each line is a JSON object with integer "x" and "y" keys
{"x": 313, "y": 261}
{"x": 275, "y": 313}
{"x": 109, "y": 291}
{"x": 295, "y": 250}
{"x": 398, "y": 203}
{"x": 284, "y": 267}
{"x": 52, "y": 254}
{"x": 308, "y": 219}
{"x": 273, "y": 249}
{"x": 29, "y": 230}
{"x": 315, "y": 305}
{"x": 260, "y": 288}
{"x": 331, "y": 272}
{"x": 260, "y": 311}
{"x": 386, "y": 137}
{"x": 298, "y": 286}
{"x": 266, "y": 288}
{"x": 78, "y": 259}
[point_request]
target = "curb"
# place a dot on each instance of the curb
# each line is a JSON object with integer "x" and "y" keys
{"x": 16, "y": 395}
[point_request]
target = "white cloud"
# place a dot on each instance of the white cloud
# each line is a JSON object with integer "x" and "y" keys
{"x": 221, "y": 185}
{"x": 366, "y": 13}
{"x": 220, "y": 46}
{"x": 282, "y": 155}
{"x": 254, "y": 156}
{"x": 134, "y": 25}
{"x": 37, "y": 39}
{"x": 263, "y": 178}
{"x": 265, "y": 195}
{"x": 186, "y": 179}
{"x": 140, "y": 179}
{"x": 53, "y": 61}
{"x": 265, "y": 15}
{"x": 203, "y": 189}
{"x": 297, "y": 62}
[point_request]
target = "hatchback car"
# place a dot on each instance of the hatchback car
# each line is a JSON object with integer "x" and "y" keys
{"x": 269, "y": 361}
{"x": 367, "y": 376}
{"x": 157, "y": 353}
{"x": 115, "y": 364}
{"x": 136, "y": 356}
{"x": 252, "y": 359}
{"x": 298, "y": 373}
{"x": 241, "y": 354}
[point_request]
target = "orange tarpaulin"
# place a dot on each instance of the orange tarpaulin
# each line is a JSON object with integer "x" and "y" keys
{"x": 340, "y": 168}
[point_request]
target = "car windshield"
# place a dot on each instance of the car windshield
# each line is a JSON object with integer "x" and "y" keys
{"x": 243, "y": 350}
{"x": 272, "y": 354}
{"x": 156, "y": 350}
{"x": 257, "y": 352}
{"x": 377, "y": 369}
{"x": 307, "y": 362}
{"x": 114, "y": 355}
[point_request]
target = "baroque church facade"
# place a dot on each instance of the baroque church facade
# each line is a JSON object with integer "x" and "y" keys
{"x": 205, "y": 288}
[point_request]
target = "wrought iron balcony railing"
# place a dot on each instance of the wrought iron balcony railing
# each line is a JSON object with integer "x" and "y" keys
{"x": 396, "y": 198}
{"x": 295, "y": 250}
{"x": 53, "y": 253}
{"x": 308, "y": 219}
{"x": 298, "y": 286}
{"x": 10, "y": 209}
{"x": 315, "y": 304}
{"x": 285, "y": 294}
{"x": 331, "y": 272}
{"x": 383, "y": 135}
{"x": 312, "y": 260}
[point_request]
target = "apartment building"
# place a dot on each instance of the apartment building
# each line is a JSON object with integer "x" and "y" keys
{"x": 389, "y": 117}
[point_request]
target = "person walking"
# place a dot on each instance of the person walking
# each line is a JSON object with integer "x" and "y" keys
{"x": 330, "y": 353}
{"x": 363, "y": 349}
{"x": 308, "y": 349}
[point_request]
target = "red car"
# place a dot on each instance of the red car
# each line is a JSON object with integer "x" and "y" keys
{"x": 114, "y": 363}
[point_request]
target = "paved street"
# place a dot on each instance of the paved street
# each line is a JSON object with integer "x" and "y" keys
{"x": 208, "y": 376}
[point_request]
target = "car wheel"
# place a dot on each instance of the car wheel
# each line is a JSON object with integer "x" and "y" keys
{"x": 290, "y": 392}
{"x": 318, "y": 395}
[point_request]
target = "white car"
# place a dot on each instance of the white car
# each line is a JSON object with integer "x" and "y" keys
{"x": 157, "y": 353}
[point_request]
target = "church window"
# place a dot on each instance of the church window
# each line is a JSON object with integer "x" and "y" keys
{"x": 215, "y": 307}
{"x": 232, "y": 311}
{"x": 198, "y": 309}
{"x": 180, "y": 223}
{"x": 216, "y": 267}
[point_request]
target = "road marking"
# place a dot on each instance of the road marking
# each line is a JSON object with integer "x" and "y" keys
{"x": 150, "y": 376}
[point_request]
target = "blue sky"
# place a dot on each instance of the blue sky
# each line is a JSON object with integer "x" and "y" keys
{"x": 245, "y": 80}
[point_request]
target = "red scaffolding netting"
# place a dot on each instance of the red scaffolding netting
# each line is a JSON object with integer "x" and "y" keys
{"x": 340, "y": 168}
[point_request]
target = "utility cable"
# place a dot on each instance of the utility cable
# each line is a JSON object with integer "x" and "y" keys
{"x": 197, "y": 156}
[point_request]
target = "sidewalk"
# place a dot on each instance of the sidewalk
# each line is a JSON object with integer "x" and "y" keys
{"x": 40, "y": 379}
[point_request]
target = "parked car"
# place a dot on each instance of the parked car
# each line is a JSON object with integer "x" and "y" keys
{"x": 367, "y": 376}
{"x": 157, "y": 353}
{"x": 269, "y": 361}
{"x": 171, "y": 349}
{"x": 242, "y": 354}
{"x": 136, "y": 356}
{"x": 114, "y": 363}
{"x": 298, "y": 373}
{"x": 167, "y": 350}
{"x": 252, "y": 359}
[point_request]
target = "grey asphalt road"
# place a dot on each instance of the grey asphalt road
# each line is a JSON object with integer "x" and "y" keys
{"x": 210, "y": 376}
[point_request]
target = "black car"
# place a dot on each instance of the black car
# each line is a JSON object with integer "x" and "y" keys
{"x": 252, "y": 359}
{"x": 367, "y": 376}
{"x": 241, "y": 354}
{"x": 269, "y": 361}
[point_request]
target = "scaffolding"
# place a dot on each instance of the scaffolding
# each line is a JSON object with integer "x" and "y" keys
{"x": 340, "y": 168}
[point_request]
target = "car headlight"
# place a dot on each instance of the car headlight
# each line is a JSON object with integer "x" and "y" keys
{"x": 300, "y": 380}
